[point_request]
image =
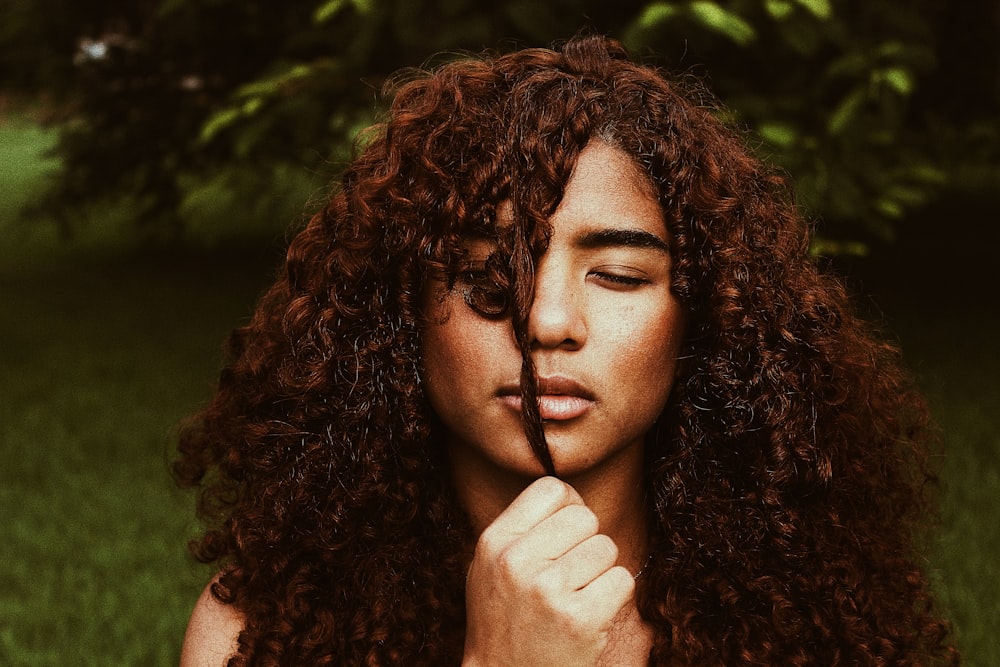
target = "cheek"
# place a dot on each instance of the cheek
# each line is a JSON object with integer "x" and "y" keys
{"x": 440, "y": 359}
{"x": 653, "y": 349}
{"x": 439, "y": 343}
{"x": 462, "y": 353}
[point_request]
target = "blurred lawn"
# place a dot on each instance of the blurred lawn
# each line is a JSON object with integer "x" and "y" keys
{"x": 102, "y": 352}
{"x": 945, "y": 313}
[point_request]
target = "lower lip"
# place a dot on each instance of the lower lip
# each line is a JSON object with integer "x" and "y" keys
{"x": 555, "y": 407}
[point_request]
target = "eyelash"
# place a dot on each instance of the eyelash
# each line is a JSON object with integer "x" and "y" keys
{"x": 474, "y": 276}
{"x": 619, "y": 279}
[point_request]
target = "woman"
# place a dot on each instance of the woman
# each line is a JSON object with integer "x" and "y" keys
{"x": 552, "y": 380}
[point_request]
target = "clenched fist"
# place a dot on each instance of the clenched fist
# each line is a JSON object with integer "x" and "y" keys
{"x": 543, "y": 587}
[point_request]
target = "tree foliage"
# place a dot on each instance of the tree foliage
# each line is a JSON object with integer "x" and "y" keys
{"x": 828, "y": 88}
{"x": 196, "y": 110}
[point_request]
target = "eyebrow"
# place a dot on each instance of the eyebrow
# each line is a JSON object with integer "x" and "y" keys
{"x": 630, "y": 238}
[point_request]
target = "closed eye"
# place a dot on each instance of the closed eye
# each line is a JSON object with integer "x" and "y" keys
{"x": 619, "y": 279}
{"x": 473, "y": 274}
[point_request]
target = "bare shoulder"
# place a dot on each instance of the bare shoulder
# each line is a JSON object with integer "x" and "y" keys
{"x": 211, "y": 633}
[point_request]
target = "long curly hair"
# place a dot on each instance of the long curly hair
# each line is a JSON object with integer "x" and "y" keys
{"x": 787, "y": 475}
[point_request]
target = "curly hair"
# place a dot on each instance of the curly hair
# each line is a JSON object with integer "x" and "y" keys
{"x": 787, "y": 476}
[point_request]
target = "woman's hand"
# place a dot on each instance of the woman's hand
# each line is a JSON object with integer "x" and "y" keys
{"x": 543, "y": 588}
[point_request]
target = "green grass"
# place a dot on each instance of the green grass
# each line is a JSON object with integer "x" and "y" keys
{"x": 957, "y": 362}
{"x": 100, "y": 362}
{"x": 23, "y": 147}
{"x": 102, "y": 352}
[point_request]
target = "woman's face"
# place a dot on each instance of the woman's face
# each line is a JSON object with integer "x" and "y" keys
{"x": 605, "y": 333}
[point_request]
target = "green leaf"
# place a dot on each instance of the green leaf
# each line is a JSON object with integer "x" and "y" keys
{"x": 713, "y": 16}
{"x": 328, "y": 10}
{"x": 779, "y": 9}
{"x": 217, "y": 122}
{"x": 779, "y": 134}
{"x": 331, "y": 8}
{"x": 821, "y": 9}
{"x": 899, "y": 78}
{"x": 850, "y": 65}
{"x": 890, "y": 208}
{"x": 636, "y": 34}
{"x": 906, "y": 195}
{"x": 845, "y": 111}
{"x": 655, "y": 14}
{"x": 252, "y": 105}
{"x": 268, "y": 87}
{"x": 892, "y": 49}
{"x": 929, "y": 174}
{"x": 823, "y": 247}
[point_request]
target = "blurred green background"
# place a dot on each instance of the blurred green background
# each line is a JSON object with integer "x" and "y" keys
{"x": 152, "y": 156}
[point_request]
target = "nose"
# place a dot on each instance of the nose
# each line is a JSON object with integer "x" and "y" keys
{"x": 557, "y": 318}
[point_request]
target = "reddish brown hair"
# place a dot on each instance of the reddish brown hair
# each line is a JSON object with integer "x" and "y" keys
{"x": 786, "y": 476}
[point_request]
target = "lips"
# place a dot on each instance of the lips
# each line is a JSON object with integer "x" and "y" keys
{"x": 559, "y": 398}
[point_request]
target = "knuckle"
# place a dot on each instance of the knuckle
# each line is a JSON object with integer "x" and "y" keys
{"x": 581, "y": 621}
{"x": 510, "y": 563}
{"x": 488, "y": 543}
{"x": 543, "y": 591}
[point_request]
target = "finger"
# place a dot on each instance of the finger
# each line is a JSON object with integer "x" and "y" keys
{"x": 561, "y": 531}
{"x": 584, "y": 563}
{"x": 544, "y": 497}
{"x": 549, "y": 540}
{"x": 604, "y": 597}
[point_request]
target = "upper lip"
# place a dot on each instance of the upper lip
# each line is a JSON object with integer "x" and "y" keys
{"x": 555, "y": 385}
